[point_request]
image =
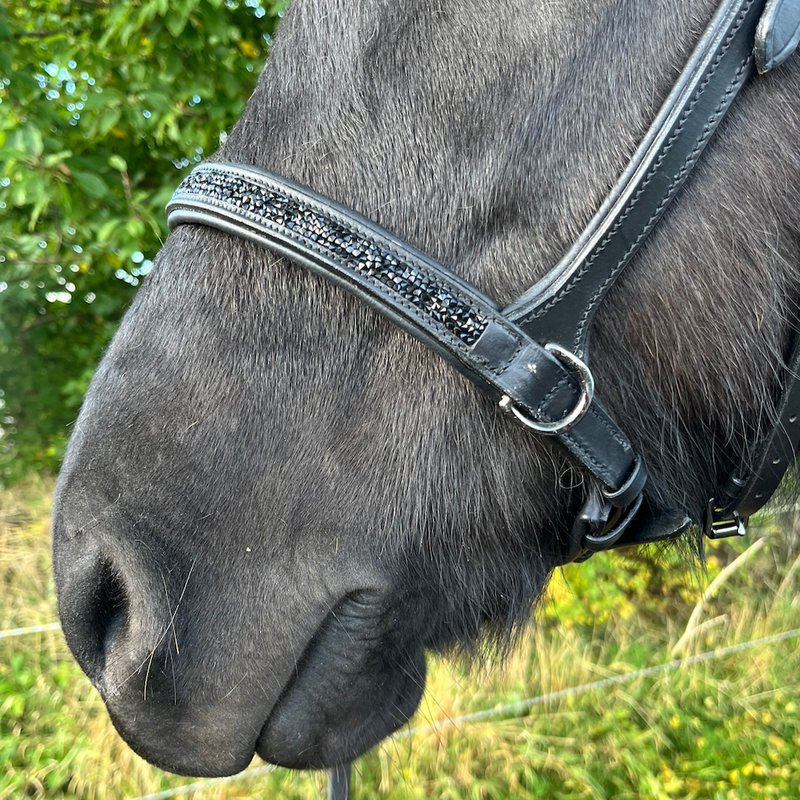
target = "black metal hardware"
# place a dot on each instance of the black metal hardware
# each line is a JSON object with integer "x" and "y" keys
{"x": 719, "y": 525}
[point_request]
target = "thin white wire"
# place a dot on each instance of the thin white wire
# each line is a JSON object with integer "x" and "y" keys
{"x": 193, "y": 787}
{"x": 50, "y": 626}
{"x": 518, "y": 709}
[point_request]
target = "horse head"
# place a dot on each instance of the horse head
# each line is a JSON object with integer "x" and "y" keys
{"x": 275, "y": 501}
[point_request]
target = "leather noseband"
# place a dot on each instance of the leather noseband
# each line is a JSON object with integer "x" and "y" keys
{"x": 533, "y": 356}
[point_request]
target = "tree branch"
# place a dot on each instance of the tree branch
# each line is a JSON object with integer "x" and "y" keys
{"x": 45, "y": 319}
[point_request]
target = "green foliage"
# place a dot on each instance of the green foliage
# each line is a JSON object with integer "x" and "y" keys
{"x": 103, "y": 107}
{"x": 621, "y": 586}
{"x": 727, "y": 729}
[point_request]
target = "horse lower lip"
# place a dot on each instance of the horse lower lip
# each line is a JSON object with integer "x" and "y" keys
{"x": 358, "y": 681}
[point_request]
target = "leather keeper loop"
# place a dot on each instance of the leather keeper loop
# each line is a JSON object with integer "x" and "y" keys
{"x": 631, "y": 489}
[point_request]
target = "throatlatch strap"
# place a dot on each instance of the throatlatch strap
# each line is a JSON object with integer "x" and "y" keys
{"x": 746, "y": 492}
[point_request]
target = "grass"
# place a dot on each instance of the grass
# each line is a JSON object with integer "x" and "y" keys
{"x": 725, "y": 728}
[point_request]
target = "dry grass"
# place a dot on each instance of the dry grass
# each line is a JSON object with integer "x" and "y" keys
{"x": 727, "y": 728}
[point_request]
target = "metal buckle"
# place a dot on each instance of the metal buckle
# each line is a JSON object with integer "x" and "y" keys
{"x": 599, "y": 526}
{"x": 571, "y": 418}
{"x": 718, "y": 525}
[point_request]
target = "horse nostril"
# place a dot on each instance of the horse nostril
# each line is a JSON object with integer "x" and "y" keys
{"x": 110, "y": 607}
{"x": 93, "y": 604}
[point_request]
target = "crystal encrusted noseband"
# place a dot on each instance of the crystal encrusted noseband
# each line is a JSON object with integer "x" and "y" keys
{"x": 532, "y": 356}
{"x": 266, "y": 204}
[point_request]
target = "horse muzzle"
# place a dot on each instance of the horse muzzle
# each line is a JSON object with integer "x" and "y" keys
{"x": 197, "y": 687}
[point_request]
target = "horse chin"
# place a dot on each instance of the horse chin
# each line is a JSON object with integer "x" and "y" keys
{"x": 357, "y": 682}
{"x": 193, "y": 749}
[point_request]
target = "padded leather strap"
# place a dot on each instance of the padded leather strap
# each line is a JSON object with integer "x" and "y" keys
{"x": 747, "y": 493}
{"x": 561, "y": 307}
{"x": 449, "y": 315}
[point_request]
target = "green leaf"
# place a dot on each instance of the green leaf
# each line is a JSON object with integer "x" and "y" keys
{"x": 118, "y": 163}
{"x": 19, "y": 194}
{"x": 56, "y": 158}
{"x": 108, "y": 119}
{"x": 64, "y": 180}
{"x": 134, "y": 228}
{"x": 158, "y": 102}
{"x": 93, "y": 185}
{"x": 107, "y": 229}
{"x": 32, "y": 142}
{"x": 175, "y": 23}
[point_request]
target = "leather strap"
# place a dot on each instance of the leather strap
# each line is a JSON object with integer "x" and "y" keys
{"x": 449, "y": 315}
{"x": 778, "y": 34}
{"x": 561, "y": 307}
{"x": 744, "y": 493}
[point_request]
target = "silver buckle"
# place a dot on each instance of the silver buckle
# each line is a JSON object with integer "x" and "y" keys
{"x": 571, "y": 418}
{"x": 718, "y": 525}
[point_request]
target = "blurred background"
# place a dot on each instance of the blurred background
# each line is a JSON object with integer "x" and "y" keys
{"x": 104, "y": 107}
{"x": 645, "y": 677}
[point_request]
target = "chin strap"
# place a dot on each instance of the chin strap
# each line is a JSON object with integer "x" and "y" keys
{"x": 532, "y": 358}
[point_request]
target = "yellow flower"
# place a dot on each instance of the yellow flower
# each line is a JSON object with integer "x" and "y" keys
{"x": 776, "y": 741}
{"x": 249, "y": 50}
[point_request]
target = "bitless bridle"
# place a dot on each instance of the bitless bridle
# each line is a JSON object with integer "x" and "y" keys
{"x": 533, "y": 356}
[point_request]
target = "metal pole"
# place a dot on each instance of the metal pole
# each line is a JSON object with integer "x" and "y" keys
{"x": 339, "y": 782}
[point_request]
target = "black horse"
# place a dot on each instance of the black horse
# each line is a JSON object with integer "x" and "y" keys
{"x": 275, "y": 501}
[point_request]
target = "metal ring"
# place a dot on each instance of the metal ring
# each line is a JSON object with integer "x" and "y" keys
{"x": 571, "y": 418}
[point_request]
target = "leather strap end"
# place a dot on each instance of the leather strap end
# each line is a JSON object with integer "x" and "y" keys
{"x": 777, "y": 34}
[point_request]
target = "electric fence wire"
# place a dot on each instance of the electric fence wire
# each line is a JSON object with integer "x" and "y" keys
{"x": 50, "y": 626}
{"x": 508, "y": 711}
{"x": 513, "y": 710}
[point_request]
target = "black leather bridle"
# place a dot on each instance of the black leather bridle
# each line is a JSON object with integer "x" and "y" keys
{"x": 533, "y": 356}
